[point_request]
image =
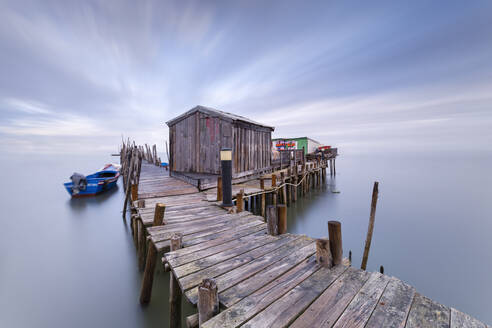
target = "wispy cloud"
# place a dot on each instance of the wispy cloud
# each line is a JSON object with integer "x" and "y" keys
{"x": 75, "y": 71}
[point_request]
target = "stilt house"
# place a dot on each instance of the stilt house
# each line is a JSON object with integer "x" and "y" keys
{"x": 197, "y": 136}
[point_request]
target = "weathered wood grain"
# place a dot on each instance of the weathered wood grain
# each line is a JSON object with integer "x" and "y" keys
{"x": 325, "y": 311}
{"x": 426, "y": 313}
{"x": 393, "y": 307}
{"x": 246, "y": 287}
{"x": 462, "y": 320}
{"x": 248, "y": 307}
{"x": 291, "y": 305}
{"x": 360, "y": 308}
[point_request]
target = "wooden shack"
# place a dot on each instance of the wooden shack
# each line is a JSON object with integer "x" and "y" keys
{"x": 197, "y": 136}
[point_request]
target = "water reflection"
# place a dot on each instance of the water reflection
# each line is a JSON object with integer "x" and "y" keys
{"x": 79, "y": 204}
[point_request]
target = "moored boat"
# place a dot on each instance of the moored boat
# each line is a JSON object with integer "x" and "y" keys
{"x": 104, "y": 179}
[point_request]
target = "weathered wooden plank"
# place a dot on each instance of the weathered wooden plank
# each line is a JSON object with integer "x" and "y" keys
{"x": 360, "y": 308}
{"x": 193, "y": 279}
{"x": 394, "y": 305}
{"x": 214, "y": 259}
{"x": 246, "y": 287}
{"x": 220, "y": 239}
{"x": 243, "y": 272}
{"x": 248, "y": 307}
{"x": 211, "y": 232}
{"x": 229, "y": 245}
{"x": 462, "y": 320}
{"x": 426, "y": 313}
{"x": 284, "y": 310}
{"x": 325, "y": 311}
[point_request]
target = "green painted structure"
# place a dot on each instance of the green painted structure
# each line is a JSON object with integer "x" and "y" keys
{"x": 309, "y": 144}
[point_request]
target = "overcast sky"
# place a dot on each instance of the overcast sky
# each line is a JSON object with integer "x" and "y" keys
{"x": 390, "y": 75}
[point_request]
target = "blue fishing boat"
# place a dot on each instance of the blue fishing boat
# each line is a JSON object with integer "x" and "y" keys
{"x": 95, "y": 183}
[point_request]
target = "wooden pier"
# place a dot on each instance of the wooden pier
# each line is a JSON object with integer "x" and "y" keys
{"x": 236, "y": 262}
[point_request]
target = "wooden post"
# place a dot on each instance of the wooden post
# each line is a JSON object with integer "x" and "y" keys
{"x": 263, "y": 198}
{"x": 208, "y": 300}
{"x": 323, "y": 253}
{"x": 381, "y": 269}
{"x": 335, "y": 235}
{"x": 282, "y": 218}
{"x": 272, "y": 220}
{"x": 141, "y": 245}
{"x": 274, "y": 180}
{"x": 148, "y": 278}
{"x": 371, "y": 225}
{"x": 192, "y": 321}
{"x": 219, "y": 188}
{"x": 294, "y": 188}
{"x": 174, "y": 289}
{"x": 334, "y": 166}
{"x": 134, "y": 192}
{"x": 159, "y": 214}
{"x": 141, "y": 203}
{"x": 284, "y": 190}
{"x": 239, "y": 201}
{"x": 288, "y": 188}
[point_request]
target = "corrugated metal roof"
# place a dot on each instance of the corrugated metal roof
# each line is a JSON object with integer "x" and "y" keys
{"x": 216, "y": 113}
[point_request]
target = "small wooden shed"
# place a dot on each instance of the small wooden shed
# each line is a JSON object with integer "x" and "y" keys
{"x": 197, "y": 136}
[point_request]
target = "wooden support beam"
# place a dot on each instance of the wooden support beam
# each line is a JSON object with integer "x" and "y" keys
{"x": 141, "y": 245}
{"x": 159, "y": 214}
{"x": 274, "y": 180}
{"x": 335, "y": 235}
{"x": 174, "y": 289}
{"x": 134, "y": 192}
{"x": 192, "y": 321}
{"x": 239, "y": 201}
{"x": 219, "y": 188}
{"x": 208, "y": 300}
{"x": 148, "y": 278}
{"x": 370, "y": 228}
{"x": 272, "y": 220}
{"x": 282, "y": 218}
{"x": 323, "y": 253}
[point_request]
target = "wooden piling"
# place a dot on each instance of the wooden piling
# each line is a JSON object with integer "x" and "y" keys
{"x": 263, "y": 198}
{"x": 284, "y": 190}
{"x": 159, "y": 214}
{"x": 134, "y": 192}
{"x": 282, "y": 218}
{"x": 370, "y": 229}
{"x": 219, "y": 188}
{"x": 323, "y": 253}
{"x": 274, "y": 180}
{"x": 272, "y": 220}
{"x": 148, "y": 278}
{"x": 174, "y": 289}
{"x": 239, "y": 201}
{"x": 141, "y": 245}
{"x": 192, "y": 321}
{"x": 335, "y": 236}
{"x": 208, "y": 300}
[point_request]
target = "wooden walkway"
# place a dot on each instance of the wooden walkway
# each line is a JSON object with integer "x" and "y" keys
{"x": 270, "y": 281}
{"x": 156, "y": 182}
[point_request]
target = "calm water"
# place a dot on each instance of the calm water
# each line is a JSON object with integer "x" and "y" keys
{"x": 433, "y": 222}
{"x": 72, "y": 262}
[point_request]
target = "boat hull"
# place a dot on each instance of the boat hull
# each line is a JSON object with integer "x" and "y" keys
{"x": 95, "y": 185}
